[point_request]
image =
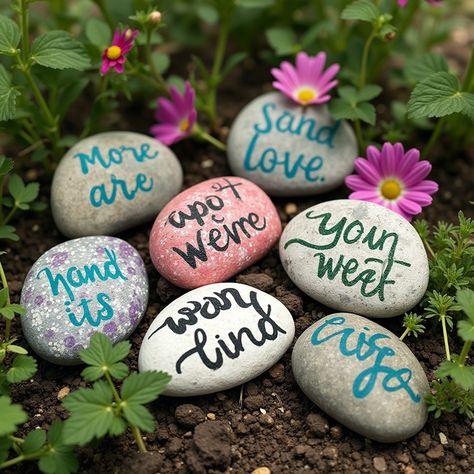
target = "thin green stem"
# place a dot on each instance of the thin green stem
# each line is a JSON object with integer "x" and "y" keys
{"x": 434, "y": 137}
{"x": 118, "y": 400}
{"x": 138, "y": 438}
{"x": 2, "y": 178}
{"x": 464, "y": 352}
{"x": 10, "y": 214}
{"x": 25, "y": 32}
{"x": 5, "y": 285}
{"x": 23, "y": 457}
{"x": 445, "y": 336}
{"x": 358, "y": 132}
{"x": 468, "y": 83}
{"x": 405, "y": 333}
{"x": 149, "y": 58}
{"x": 202, "y": 135}
{"x": 428, "y": 247}
{"x": 105, "y": 13}
{"x": 365, "y": 57}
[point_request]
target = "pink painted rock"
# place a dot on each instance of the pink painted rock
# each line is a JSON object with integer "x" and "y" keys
{"x": 212, "y": 231}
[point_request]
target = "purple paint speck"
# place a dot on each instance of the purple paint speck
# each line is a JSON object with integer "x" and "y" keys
{"x": 39, "y": 300}
{"x": 125, "y": 250}
{"x": 133, "y": 312}
{"x": 110, "y": 329}
{"x": 49, "y": 333}
{"x": 131, "y": 270}
{"x": 58, "y": 259}
{"x": 69, "y": 341}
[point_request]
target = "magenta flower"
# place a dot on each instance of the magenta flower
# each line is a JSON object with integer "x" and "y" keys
{"x": 307, "y": 83}
{"x": 394, "y": 179}
{"x": 114, "y": 55}
{"x": 176, "y": 117}
{"x": 403, "y": 3}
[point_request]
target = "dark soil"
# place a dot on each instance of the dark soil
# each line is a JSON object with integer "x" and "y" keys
{"x": 276, "y": 426}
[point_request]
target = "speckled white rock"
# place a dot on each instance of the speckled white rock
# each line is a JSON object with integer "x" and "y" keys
{"x": 363, "y": 376}
{"x": 356, "y": 256}
{"x": 290, "y": 150}
{"x": 113, "y": 181}
{"x": 216, "y": 337}
{"x": 79, "y": 287}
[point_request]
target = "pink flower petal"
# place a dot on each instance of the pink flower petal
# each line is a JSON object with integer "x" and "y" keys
{"x": 423, "y": 199}
{"x": 418, "y": 173}
{"x": 356, "y": 183}
{"x": 167, "y": 134}
{"x": 394, "y": 206}
{"x": 365, "y": 196}
{"x": 409, "y": 160}
{"x": 367, "y": 171}
{"x": 387, "y": 160}
{"x": 373, "y": 157}
{"x": 425, "y": 186}
{"x": 410, "y": 207}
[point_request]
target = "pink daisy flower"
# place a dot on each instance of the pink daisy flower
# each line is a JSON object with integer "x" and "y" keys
{"x": 403, "y": 3}
{"x": 176, "y": 117}
{"x": 307, "y": 83}
{"x": 394, "y": 179}
{"x": 114, "y": 55}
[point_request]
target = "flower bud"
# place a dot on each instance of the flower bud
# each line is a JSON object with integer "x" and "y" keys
{"x": 390, "y": 36}
{"x": 128, "y": 33}
{"x": 154, "y": 17}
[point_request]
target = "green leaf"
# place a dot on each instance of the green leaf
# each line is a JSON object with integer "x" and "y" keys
{"x": 254, "y": 3}
{"x": 9, "y": 35}
{"x": 7, "y": 313}
{"x": 104, "y": 357}
{"x": 5, "y": 445}
{"x": 232, "y": 61}
{"x": 419, "y": 68}
{"x": 466, "y": 330}
{"x": 34, "y": 441}
{"x": 462, "y": 375}
{"x": 3, "y": 297}
{"x": 364, "y": 10}
{"x": 98, "y": 33}
{"x": 58, "y": 50}
{"x": 138, "y": 415}
{"x": 12, "y": 416}
{"x": 92, "y": 414}
{"x": 207, "y": 13}
{"x": 8, "y": 95}
{"x": 17, "y": 349}
{"x": 6, "y": 165}
{"x": 22, "y": 368}
{"x": 438, "y": 96}
{"x": 17, "y": 308}
{"x": 369, "y": 92}
{"x": 282, "y": 40}
{"x": 144, "y": 387}
{"x": 161, "y": 62}
{"x": 60, "y": 459}
{"x": 343, "y": 109}
{"x": 465, "y": 298}
{"x": 8, "y": 232}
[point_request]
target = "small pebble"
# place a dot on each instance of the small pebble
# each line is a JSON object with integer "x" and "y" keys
{"x": 443, "y": 439}
{"x": 207, "y": 163}
{"x": 261, "y": 470}
{"x": 380, "y": 464}
{"x": 291, "y": 208}
{"x": 63, "y": 392}
{"x": 211, "y": 416}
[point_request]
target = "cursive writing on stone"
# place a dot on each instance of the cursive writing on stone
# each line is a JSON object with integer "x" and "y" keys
{"x": 74, "y": 278}
{"x": 349, "y": 269}
{"x": 364, "y": 347}
{"x": 230, "y": 346}
{"x": 103, "y": 193}
{"x": 269, "y": 159}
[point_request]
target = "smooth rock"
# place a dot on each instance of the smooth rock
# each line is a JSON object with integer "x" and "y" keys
{"x": 212, "y": 231}
{"x": 216, "y": 337}
{"x": 79, "y": 287}
{"x": 363, "y": 376}
{"x": 356, "y": 256}
{"x": 290, "y": 150}
{"x": 113, "y": 181}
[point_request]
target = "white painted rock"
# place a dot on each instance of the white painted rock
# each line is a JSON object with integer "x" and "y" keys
{"x": 290, "y": 150}
{"x": 113, "y": 181}
{"x": 79, "y": 287}
{"x": 216, "y": 337}
{"x": 356, "y": 256}
{"x": 362, "y": 375}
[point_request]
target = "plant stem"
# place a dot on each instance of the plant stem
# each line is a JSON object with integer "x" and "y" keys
{"x": 358, "y": 132}
{"x": 468, "y": 83}
{"x": 464, "y": 352}
{"x": 156, "y": 74}
{"x": 434, "y": 137}
{"x": 5, "y": 285}
{"x": 365, "y": 57}
{"x": 405, "y": 333}
{"x": 25, "y": 32}
{"x": 118, "y": 400}
{"x": 428, "y": 247}
{"x": 10, "y": 214}
{"x": 202, "y": 135}
{"x": 138, "y": 438}
{"x": 445, "y": 336}
{"x": 105, "y": 13}
{"x": 23, "y": 457}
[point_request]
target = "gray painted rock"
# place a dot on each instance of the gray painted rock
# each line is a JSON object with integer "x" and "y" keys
{"x": 356, "y": 256}
{"x": 80, "y": 287}
{"x": 216, "y": 337}
{"x": 290, "y": 150}
{"x": 363, "y": 376}
{"x": 111, "y": 182}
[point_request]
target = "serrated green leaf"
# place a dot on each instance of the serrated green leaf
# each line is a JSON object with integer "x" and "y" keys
{"x": 369, "y": 92}
{"x": 348, "y": 93}
{"x": 22, "y": 368}
{"x": 281, "y": 39}
{"x": 92, "y": 414}
{"x": 439, "y": 96}
{"x": 9, "y": 35}
{"x": 138, "y": 415}
{"x": 8, "y": 95}
{"x": 12, "y": 416}
{"x": 33, "y": 441}
{"x": 58, "y": 50}
{"x": 466, "y": 330}
{"x": 161, "y": 61}
{"x": 255, "y": 3}
{"x": 60, "y": 459}
{"x": 465, "y": 298}
{"x": 17, "y": 308}
{"x": 420, "y": 68}
{"x": 144, "y": 387}
{"x": 16, "y": 349}
{"x": 342, "y": 109}
{"x": 98, "y": 33}
{"x": 462, "y": 375}
{"x": 6, "y": 165}
{"x": 5, "y": 445}
{"x": 8, "y": 232}
{"x": 3, "y": 297}
{"x": 7, "y": 313}
{"x": 363, "y": 10}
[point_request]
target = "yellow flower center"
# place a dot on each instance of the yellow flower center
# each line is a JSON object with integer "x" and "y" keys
{"x": 114, "y": 52}
{"x": 184, "y": 125}
{"x": 390, "y": 189}
{"x": 306, "y": 95}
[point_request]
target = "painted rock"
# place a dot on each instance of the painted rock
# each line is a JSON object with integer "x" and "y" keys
{"x": 79, "y": 287}
{"x": 356, "y": 256}
{"x": 113, "y": 181}
{"x": 216, "y": 337}
{"x": 290, "y": 150}
{"x": 212, "y": 231}
{"x": 363, "y": 376}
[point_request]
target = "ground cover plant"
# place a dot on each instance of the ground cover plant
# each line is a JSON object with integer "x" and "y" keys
{"x": 400, "y": 72}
